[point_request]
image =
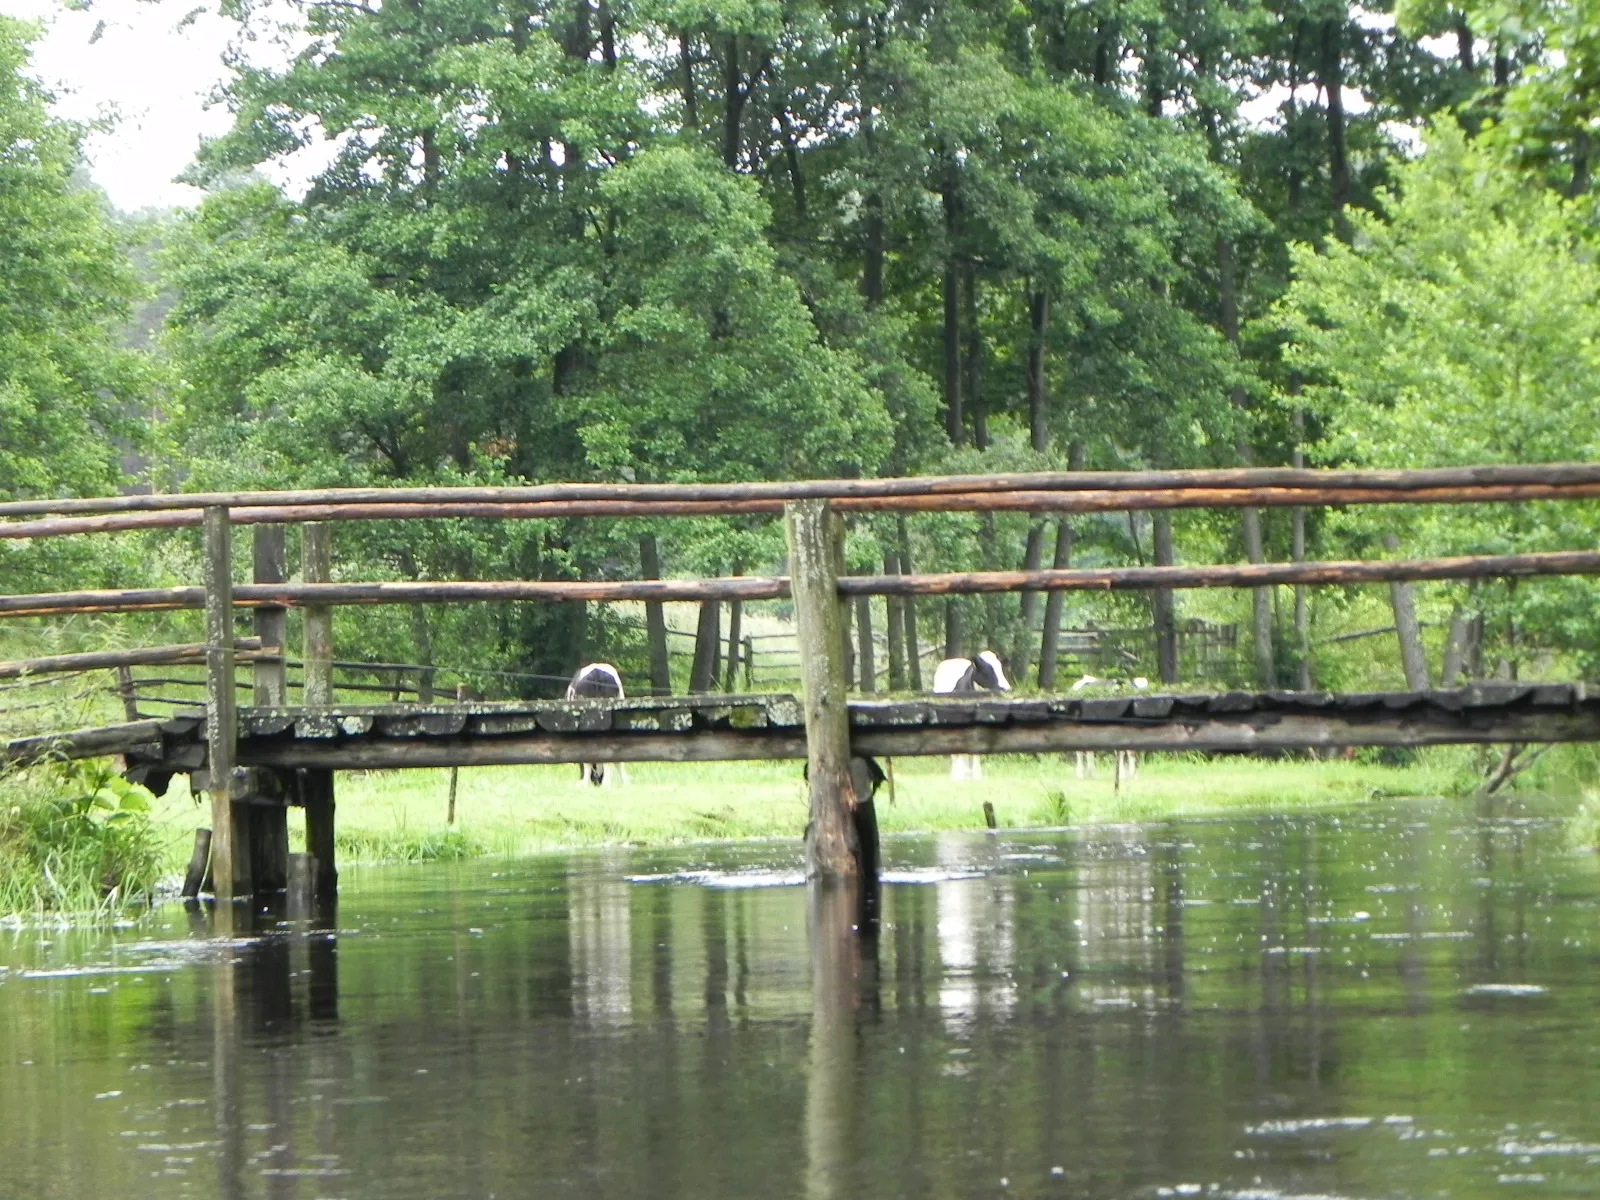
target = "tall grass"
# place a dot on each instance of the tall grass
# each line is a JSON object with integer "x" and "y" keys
{"x": 75, "y": 838}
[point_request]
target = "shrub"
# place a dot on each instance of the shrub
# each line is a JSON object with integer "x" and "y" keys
{"x": 75, "y": 837}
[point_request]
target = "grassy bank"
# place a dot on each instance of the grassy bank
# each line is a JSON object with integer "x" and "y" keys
{"x": 395, "y": 816}
{"x": 68, "y": 837}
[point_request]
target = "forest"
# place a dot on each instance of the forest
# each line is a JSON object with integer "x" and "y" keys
{"x": 732, "y": 239}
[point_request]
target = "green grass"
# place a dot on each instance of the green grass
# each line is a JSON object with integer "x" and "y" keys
{"x": 75, "y": 838}
{"x": 399, "y": 816}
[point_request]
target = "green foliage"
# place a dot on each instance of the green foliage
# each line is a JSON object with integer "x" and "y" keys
{"x": 1463, "y": 327}
{"x": 69, "y": 393}
{"x": 75, "y": 837}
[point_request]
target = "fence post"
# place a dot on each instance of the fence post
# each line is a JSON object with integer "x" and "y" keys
{"x": 230, "y": 853}
{"x": 317, "y": 567}
{"x": 816, "y": 543}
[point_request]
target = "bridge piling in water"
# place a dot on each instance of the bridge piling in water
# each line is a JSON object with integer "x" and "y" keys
{"x": 816, "y": 555}
{"x": 230, "y": 861}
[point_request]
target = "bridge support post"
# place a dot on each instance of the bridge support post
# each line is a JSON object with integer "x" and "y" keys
{"x": 316, "y": 793}
{"x": 230, "y": 841}
{"x": 317, "y": 567}
{"x": 816, "y": 553}
{"x": 269, "y": 822}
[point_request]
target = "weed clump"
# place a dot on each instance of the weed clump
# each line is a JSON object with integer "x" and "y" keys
{"x": 75, "y": 838}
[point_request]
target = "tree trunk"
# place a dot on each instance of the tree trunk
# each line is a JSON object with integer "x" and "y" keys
{"x": 1163, "y": 608}
{"x": 1464, "y": 45}
{"x": 1413, "y": 660}
{"x": 866, "y": 656}
{"x": 730, "y": 678}
{"x": 872, "y": 275}
{"x": 608, "y": 36}
{"x": 1050, "y": 639}
{"x": 1105, "y": 54}
{"x": 1032, "y": 557}
{"x": 733, "y": 103}
{"x": 691, "y": 111}
{"x": 895, "y": 607}
{"x": 987, "y": 539}
{"x": 707, "y": 636}
{"x": 655, "y": 621}
{"x": 1455, "y": 647}
{"x": 974, "y": 361}
{"x": 954, "y": 632}
{"x": 846, "y": 620}
{"x": 1038, "y": 326}
{"x": 1332, "y": 80}
{"x": 952, "y": 326}
{"x": 913, "y": 644}
{"x": 1250, "y": 518}
{"x": 423, "y": 636}
{"x": 1297, "y": 551}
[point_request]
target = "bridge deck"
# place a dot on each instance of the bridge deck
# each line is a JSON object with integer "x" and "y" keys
{"x": 710, "y": 728}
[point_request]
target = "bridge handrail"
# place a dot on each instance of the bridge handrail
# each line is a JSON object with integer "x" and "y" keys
{"x": 1026, "y": 491}
{"x": 755, "y": 587}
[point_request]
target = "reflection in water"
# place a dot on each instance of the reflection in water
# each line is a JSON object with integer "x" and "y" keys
{"x": 843, "y": 951}
{"x": 977, "y": 948}
{"x": 1393, "y": 1001}
{"x": 599, "y": 928}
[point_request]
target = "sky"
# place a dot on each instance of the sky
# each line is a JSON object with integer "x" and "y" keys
{"x": 150, "y": 68}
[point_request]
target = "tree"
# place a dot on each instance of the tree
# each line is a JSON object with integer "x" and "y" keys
{"x": 68, "y": 389}
{"x": 1463, "y": 329}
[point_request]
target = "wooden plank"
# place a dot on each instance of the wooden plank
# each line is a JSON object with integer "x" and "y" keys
{"x": 96, "y": 660}
{"x": 1228, "y": 575}
{"x": 1285, "y": 731}
{"x": 839, "y": 489}
{"x": 719, "y": 745}
{"x": 1009, "y": 500}
{"x": 317, "y": 568}
{"x": 313, "y": 596}
{"x": 230, "y": 856}
{"x": 82, "y": 743}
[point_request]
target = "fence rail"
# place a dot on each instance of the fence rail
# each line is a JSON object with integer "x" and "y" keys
{"x": 813, "y": 514}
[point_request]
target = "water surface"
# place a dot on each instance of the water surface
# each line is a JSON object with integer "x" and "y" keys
{"x": 1393, "y": 1002}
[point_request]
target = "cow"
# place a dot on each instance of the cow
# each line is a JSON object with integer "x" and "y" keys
{"x": 965, "y": 676}
{"x": 598, "y": 681}
{"x": 1127, "y": 761}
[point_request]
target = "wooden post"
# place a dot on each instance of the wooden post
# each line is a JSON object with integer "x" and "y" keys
{"x": 463, "y": 694}
{"x": 317, "y": 567}
{"x": 195, "y": 876}
{"x": 230, "y": 854}
{"x": 271, "y": 624}
{"x": 816, "y": 545}
{"x": 316, "y": 791}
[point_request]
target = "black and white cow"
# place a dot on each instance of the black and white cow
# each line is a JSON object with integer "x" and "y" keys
{"x": 962, "y": 676}
{"x": 597, "y": 681}
{"x": 1127, "y": 761}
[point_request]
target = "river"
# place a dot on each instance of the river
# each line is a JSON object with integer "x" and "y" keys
{"x": 1401, "y": 1000}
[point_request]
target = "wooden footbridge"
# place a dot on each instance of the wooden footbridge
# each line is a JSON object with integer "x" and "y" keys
{"x": 255, "y": 760}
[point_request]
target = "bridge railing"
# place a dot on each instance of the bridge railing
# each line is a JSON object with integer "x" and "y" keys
{"x": 813, "y": 512}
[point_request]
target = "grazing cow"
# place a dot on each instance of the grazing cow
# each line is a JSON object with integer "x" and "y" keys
{"x": 1127, "y": 761}
{"x": 962, "y": 676}
{"x": 597, "y": 681}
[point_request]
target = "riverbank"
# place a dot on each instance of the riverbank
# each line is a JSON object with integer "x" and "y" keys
{"x": 393, "y": 816}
